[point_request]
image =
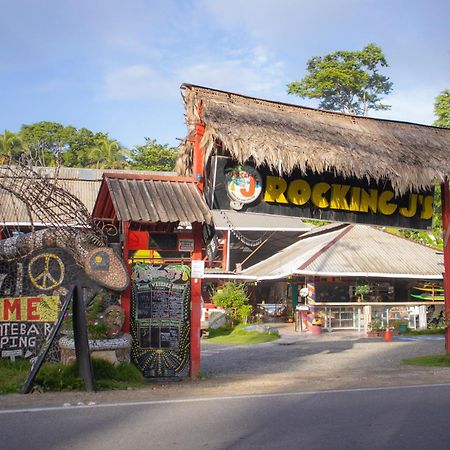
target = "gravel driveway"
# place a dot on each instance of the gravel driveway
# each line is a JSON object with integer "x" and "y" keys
{"x": 331, "y": 360}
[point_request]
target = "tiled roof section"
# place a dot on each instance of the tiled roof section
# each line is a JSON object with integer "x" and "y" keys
{"x": 157, "y": 200}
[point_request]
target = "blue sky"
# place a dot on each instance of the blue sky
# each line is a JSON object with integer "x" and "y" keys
{"x": 116, "y": 66}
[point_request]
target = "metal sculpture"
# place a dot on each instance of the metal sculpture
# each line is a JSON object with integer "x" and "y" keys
{"x": 70, "y": 227}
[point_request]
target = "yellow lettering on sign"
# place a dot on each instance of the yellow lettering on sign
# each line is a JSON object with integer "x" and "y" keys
{"x": 318, "y": 195}
{"x": 275, "y": 189}
{"x": 29, "y": 309}
{"x": 369, "y": 200}
{"x": 338, "y": 193}
{"x": 427, "y": 208}
{"x": 345, "y": 197}
{"x": 355, "y": 199}
{"x": 384, "y": 206}
{"x": 411, "y": 210}
{"x": 299, "y": 192}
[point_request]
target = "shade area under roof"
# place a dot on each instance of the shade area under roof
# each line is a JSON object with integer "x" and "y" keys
{"x": 246, "y": 221}
{"x": 351, "y": 251}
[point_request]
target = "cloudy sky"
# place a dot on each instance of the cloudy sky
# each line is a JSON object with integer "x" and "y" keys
{"x": 116, "y": 66}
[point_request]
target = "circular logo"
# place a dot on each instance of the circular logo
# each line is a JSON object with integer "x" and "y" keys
{"x": 243, "y": 184}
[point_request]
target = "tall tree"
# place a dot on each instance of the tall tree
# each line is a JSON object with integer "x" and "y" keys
{"x": 442, "y": 109}
{"x": 346, "y": 81}
{"x": 43, "y": 142}
{"x": 153, "y": 156}
{"x": 107, "y": 154}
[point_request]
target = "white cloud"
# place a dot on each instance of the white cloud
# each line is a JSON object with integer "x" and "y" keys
{"x": 138, "y": 82}
{"x": 253, "y": 72}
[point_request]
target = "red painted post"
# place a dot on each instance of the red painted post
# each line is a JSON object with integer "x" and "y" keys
{"x": 225, "y": 250}
{"x": 198, "y": 156}
{"x": 196, "y": 306}
{"x": 446, "y": 230}
{"x": 125, "y": 299}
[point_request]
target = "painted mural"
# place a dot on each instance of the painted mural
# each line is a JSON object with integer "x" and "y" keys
{"x": 31, "y": 292}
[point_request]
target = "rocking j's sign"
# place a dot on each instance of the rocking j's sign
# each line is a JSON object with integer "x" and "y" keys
{"x": 319, "y": 196}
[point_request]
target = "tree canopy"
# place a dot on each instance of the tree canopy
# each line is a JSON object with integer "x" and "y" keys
{"x": 44, "y": 142}
{"x": 347, "y": 81}
{"x": 153, "y": 156}
{"x": 442, "y": 109}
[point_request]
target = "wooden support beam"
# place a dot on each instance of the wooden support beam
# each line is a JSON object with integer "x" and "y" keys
{"x": 446, "y": 230}
{"x": 196, "y": 305}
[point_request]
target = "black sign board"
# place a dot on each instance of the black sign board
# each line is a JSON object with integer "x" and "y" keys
{"x": 323, "y": 196}
{"x": 159, "y": 304}
{"x": 160, "y": 318}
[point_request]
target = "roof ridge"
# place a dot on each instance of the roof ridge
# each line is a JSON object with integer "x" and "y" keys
{"x": 326, "y": 246}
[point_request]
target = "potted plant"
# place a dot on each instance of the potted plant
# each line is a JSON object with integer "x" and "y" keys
{"x": 361, "y": 290}
{"x": 375, "y": 328}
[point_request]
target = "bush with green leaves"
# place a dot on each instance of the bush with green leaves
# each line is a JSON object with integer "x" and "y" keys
{"x": 233, "y": 298}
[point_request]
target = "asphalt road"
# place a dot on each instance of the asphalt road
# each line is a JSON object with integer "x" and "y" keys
{"x": 377, "y": 418}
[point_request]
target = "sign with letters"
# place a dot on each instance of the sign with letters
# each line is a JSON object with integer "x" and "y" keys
{"x": 160, "y": 318}
{"x": 323, "y": 196}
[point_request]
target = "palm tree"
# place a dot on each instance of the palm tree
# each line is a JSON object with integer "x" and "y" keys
{"x": 107, "y": 154}
{"x": 10, "y": 145}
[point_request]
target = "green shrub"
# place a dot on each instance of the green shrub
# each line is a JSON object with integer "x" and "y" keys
{"x": 233, "y": 298}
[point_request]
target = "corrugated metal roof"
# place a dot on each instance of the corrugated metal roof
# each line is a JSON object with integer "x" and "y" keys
{"x": 14, "y": 211}
{"x": 368, "y": 250}
{"x": 288, "y": 260}
{"x": 226, "y": 219}
{"x": 148, "y": 200}
{"x": 355, "y": 250}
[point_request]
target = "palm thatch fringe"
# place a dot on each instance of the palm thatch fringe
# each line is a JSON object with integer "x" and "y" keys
{"x": 287, "y": 137}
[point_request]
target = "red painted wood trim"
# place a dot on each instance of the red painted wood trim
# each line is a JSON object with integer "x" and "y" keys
{"x": 324, "y": 249}
{"x": 125, "y": 298}
{"x": 196, "y": 307}
{"x": 225, "y": 250}
{"x": 446, "y": 230}
{"x": 198, "y": 157}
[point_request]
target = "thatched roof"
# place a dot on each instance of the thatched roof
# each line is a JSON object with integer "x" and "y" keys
{"x": 286, "y": 137}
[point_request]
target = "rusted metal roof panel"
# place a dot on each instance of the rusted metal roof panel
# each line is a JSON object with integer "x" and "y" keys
{"x": 156, "y": 200}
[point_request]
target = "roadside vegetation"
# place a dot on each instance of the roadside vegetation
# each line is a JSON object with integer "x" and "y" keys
{"x": 431, "y": 360}
{"x": 58, "y": 377}
{"x": 410, "y": 332}
{"x": 238, "y": 336}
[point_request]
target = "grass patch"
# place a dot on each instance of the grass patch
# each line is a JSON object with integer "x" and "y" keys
{"x": 238, "y": 336}
{"x": 424, "y": 332}
{"x": 58, "y": 377}
{"x": 13, "y": 375}
{"x": 432, "y": 360}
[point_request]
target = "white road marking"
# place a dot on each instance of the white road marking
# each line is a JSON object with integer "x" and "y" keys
{"x": 66, "y": 406}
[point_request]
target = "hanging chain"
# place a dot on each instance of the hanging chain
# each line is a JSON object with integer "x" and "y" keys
{"x": 239, "y": 236}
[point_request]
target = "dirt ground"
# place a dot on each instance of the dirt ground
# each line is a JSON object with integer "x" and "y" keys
{"x": 295, "y": 362}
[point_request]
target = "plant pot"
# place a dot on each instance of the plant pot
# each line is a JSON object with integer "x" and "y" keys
{"x": 315, "y": 329}
{"x": 115, "y": 350}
